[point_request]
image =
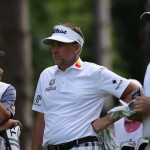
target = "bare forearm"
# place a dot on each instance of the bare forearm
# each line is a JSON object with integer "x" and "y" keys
{"x": 4, "y": 114}
{"x": 126, "y": 96}
{"x": 37, "y": 140}
{"x": 37, "y": 137}
{"x": 102, "y": 123}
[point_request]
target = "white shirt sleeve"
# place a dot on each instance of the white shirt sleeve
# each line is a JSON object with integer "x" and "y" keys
{"x": 111, "y": 83}
{"x": 38, "y": 100}
{"x": 8, "y": 99}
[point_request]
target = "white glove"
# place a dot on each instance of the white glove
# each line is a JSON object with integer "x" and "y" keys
{"x": 106, "y": 137}
{"x": 120, "y": 111}
{"x": 13, "y": 135}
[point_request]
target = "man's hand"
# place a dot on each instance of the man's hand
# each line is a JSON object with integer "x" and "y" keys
{"x": 10, "y": 123}
{"x": 136, "y": 117}
{"x": 101, "y": 123}
{"x": 96, "y": 125}
{"x": 142, "y": 104}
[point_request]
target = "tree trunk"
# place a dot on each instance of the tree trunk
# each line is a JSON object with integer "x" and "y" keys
{"x": 17, "y": 61}
{"x": 102, "y": 32}
{"x": 102, "y": 38}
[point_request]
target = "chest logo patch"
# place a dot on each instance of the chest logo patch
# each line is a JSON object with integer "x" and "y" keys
{"x": 52, "y": 82}
{"x": 117, "y": 83}
{"x": 51, "y": 87}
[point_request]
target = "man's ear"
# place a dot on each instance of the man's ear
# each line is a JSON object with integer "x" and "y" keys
{"x": 1, "y": 73}
{"x": 77, "y": 48}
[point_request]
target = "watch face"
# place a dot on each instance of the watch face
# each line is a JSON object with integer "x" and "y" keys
{"x": 135, "y": 93}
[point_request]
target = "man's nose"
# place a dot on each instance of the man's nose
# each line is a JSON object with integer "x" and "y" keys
{"x": 55, "y": 49}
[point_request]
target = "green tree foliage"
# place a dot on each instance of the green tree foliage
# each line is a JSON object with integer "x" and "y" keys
{"x": 126, "y": 23}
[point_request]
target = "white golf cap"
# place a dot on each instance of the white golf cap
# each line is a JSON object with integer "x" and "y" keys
{"x": 145, "y": 16}
{"x": 64, "y": 34}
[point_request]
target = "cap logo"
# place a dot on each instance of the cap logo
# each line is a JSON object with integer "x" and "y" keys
{"x": 56, "y": 30}
{"x": 64, "y": 34}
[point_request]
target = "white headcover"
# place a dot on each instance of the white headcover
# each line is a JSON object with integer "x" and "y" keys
{"x": 64, "y": 34}
{"x": 13, "y": 135}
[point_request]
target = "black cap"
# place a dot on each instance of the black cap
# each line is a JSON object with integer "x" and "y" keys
{"x": 145, "y": 16}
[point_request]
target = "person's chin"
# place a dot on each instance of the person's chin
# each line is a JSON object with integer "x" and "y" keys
{"x": 57, "y": 62}
{"x": 57, "y": 59}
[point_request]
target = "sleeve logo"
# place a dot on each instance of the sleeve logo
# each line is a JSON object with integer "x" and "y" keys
{"x": 38, "y": 98}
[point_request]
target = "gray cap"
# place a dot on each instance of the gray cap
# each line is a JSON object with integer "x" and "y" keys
{"x": 145, "y": 16}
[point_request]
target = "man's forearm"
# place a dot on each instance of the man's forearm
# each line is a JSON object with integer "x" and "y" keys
{"x": 4, "y": 114}
{"x": 37, "y": 137}
{"x": 102, "y": 123}
{"x": 126, "y": 96}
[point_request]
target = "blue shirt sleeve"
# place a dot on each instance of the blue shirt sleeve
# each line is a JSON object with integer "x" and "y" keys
{"x": 8, "y": 99}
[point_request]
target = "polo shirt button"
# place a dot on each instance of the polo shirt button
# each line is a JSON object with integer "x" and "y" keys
{"x": 62, "y": 82}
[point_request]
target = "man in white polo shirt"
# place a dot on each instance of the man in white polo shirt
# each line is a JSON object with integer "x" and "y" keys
{"x": 142, "y": 105}
{"x": 71, "y": 95}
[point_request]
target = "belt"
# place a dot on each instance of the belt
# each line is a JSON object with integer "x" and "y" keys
{"x": 69, "y": 145}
